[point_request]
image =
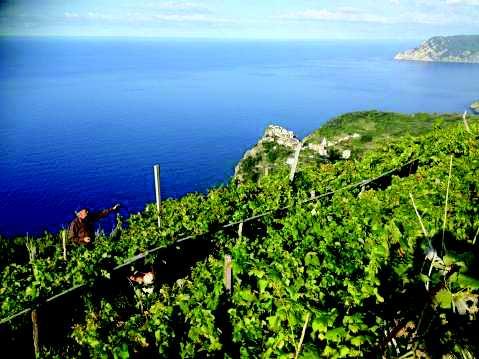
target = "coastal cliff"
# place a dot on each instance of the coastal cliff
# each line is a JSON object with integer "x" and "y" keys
{"x": 275, "y": 151}
{"x": 461, "y": 48}
{"x": 272, "y": 149}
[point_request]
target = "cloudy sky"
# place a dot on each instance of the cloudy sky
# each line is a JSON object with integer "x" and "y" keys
{"x": 262, "y": 19}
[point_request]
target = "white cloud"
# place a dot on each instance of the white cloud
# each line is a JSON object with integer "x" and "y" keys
{"x": 175, "y": 7}
{"x": 355, "y": 15}
{"x": 101, "y": 17}
{"x": 179, "y": 5}
{"x": 144, "y": 18}
{"x": 418, "y": 3}
{"x": 188, "y": 18}
{"x": 89, "y": 16}
{"x": 463, "y": 2}
{"x": 71, "y": 15}
{"x": 342, "y": 14}
{"x": 426, "y": 18}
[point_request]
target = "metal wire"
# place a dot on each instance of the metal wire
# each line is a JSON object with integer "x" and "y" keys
{"x": 228, "y": 225}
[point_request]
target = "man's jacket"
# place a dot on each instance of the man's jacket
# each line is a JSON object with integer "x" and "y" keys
{"x": 80, "y": 229}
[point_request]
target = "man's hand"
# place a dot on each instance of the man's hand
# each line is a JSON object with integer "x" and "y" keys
{"x": 116, "y": 207}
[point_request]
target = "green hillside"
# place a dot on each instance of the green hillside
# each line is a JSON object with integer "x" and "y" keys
{"x": 457, "y": 44}
{"x": 374, "y": 129}
{"x": 380, "y": 268}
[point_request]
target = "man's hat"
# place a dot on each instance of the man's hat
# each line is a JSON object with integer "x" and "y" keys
{"x": 79, "y": 209}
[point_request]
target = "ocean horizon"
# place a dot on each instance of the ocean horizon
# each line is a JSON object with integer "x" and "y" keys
{"x": 83, "y": 120}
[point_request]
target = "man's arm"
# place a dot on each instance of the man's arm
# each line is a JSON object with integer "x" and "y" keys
{"x": 99, "y": 215}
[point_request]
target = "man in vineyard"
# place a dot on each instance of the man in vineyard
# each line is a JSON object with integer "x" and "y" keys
{"x": 82, "y": 228}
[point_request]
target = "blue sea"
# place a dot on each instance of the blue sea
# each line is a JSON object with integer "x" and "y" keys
{"x": 82, "y": 121}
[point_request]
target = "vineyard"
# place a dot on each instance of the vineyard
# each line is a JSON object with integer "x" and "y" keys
{"x": 334, "y": 265}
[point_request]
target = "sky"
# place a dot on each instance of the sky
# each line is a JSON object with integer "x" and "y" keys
{"x": 248, "y": 19}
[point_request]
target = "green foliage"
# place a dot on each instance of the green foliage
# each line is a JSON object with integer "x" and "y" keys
{"x": 376, "y": 127}
{"x": 366, "y": 138}
{"x": 249, "y": 168}
{"x": 268, "y": 155}
{"x": 456, "y": 45}
{"x": 275, "y": 152}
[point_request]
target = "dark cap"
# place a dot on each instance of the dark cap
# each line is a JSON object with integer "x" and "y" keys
{"x": 79, "y": 209}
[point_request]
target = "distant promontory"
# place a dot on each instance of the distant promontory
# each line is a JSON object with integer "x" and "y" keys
{"x": 461, "y": 48}
{"x": 475, "y": 107}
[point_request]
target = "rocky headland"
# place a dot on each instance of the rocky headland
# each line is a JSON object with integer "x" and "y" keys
{"x": 475, "y": 107}
{"x": 461, "y": 48}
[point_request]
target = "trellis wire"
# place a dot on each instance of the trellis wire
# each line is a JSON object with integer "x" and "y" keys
{"x": 231, "y": 224}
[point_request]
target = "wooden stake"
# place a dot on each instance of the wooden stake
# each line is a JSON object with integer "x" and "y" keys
{"x": 466, "y": 125}
{"x": 445, "y": 207}
{"x": 156, "y": 170}
{"x": 227, "y": 274}
{"x": 36, "y": 342}
{"x": 64, "y": 241}
{"x": 303, "y": 333}
{"x": 419, "y": 216}
{"x": 295, "y": 162}
{"x": 430, "y": 270}
{"x": 240, "y": 230}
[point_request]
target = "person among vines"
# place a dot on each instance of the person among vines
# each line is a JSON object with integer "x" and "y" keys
{"x": 82, "y": 228}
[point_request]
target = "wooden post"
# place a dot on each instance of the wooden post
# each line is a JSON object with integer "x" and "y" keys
{"x": 240, "y": 230}
{"x": 227, "y": 274}
{"x": 466, "y": 125}
{"x": 64, "y": 242}
{"x": 303, "y": 332}
{"x": 295, "y": 162}
{"x": 36, "y": 342}
{"x": 156, "y": 170}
